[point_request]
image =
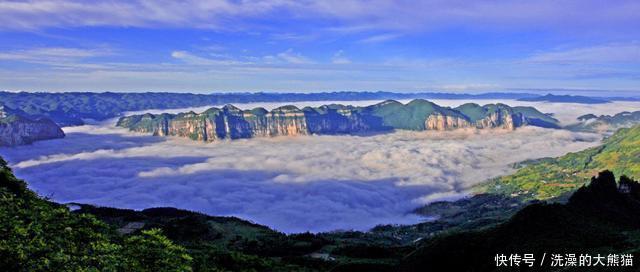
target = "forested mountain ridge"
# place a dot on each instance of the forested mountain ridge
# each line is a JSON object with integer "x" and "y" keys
{"x": 231, "y": 122}
{"x": 70, "y": 108}
{"x": 606, "y": 123}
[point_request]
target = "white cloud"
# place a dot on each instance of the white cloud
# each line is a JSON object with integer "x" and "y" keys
{"x": 292, "y": 57}
{"x": 339, "y": 58}
{"x": 379, "y": 38}
{"x": 355, "y": 15}
{"x": 192, "y": 59}
{"x": 294, "y": 184}
{"x": 70, "y": 13}
{"x": 626, "y": 53}
{"x": 53, "y": 54}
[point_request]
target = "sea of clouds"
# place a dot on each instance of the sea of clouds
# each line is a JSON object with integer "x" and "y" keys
{"x": 293, "y": 184}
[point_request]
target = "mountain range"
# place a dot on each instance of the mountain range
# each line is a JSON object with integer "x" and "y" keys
{"x": 566, "y": 99}
{"x": 230, "y": 122}
{"x": 606, "y": 123}
{"x": 71, "y": 108}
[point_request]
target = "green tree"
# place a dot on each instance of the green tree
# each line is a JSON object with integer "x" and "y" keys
{"x": 152, "y": 251}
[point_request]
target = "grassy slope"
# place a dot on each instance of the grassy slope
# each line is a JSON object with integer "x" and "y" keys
{"x": 598, "y": 219}
{"x": 553, "y": 177}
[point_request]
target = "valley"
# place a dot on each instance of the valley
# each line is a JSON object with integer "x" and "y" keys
{"x": 345, "y": 180}
{"x": 597, "y": 218}
{"x": 333, "y": 135}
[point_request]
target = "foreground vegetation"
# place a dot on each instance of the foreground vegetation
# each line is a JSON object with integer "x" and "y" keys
{"x": 600, "y": 219}
{"x": 39, "y": 235}
{"x": 557, "y": 177}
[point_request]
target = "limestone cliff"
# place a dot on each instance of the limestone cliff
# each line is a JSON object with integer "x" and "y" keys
{"x": 504, "y": 118}
{"x": 500, "y": 119}
{"x": 283, "y": 121}
{"x": 18, "y": 128}
{"x": 439, "y": 121}
{"x": 218, "y": 124}
{"x": 230, "y": 122}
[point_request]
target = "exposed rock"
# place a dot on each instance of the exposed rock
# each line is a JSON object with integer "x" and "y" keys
{"x": 500, "y": 119}
{"x": 18, "y": 128}
{"x": 439, "y": 121}
{"x": 230, "y": 122}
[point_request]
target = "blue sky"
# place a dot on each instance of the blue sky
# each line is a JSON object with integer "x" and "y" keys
{"x": 330, "y": 45}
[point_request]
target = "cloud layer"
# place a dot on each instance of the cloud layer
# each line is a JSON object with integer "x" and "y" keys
{"x": 357, "y": 15}
{"x": 315, "y": 183}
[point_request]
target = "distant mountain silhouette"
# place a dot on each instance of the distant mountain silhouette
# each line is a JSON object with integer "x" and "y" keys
{"x": 566, "y": 99}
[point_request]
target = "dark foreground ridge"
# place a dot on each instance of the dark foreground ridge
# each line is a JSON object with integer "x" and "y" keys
{"x": 40, "y": 235}
{"x": 231, "y": 122}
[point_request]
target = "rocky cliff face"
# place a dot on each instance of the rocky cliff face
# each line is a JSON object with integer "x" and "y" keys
{"x": 439, "y": 121}
{"x": 219, "y": 124}
{"x": 17, "y": 128}
{"x": 283, "y": 121}
{"x": 501, "y": 119}
{"x": 230, "y": 122}
{"x": 504, "y": 118}
{"x": 326, "y": 120}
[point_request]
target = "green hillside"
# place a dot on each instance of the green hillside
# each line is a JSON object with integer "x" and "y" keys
{"x": 553, "y": 177}
{"x": 39, "y": 235}
{"x": 600, "y": 219}
{"x": 396, "y": 115}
